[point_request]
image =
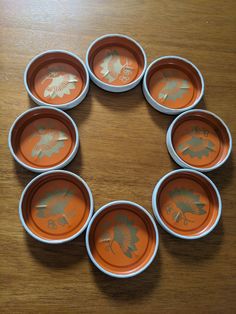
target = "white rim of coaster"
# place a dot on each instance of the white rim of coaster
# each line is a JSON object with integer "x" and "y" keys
{"x": 27, "y": 229}
{"x": 104, "y": 207}
{"x": 176, "y": 157}
{"x": 59, "y": 166}
{"x": 156, "y": 211}
{"x": 157, "y": 105}
{"x": 70, "y": 104}
{"x": 109, "y": 87}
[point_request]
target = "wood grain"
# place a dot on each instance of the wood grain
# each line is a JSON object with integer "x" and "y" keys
{"x": 122, "y": 156}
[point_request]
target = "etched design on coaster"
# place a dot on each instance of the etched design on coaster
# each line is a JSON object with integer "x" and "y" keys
{"x": 185, "y": 202}
{"x": 51, "y": 141}
{"x": 54, "y": 203}
{"x": 55, "y": 223}
{"x": 124, "y": 234}
{"x": 52, "y": 224}
{"x": 173, "y": 89}
{"x": 112, "y": 67}
{"x": 197, "y": 146}
{"x": 61, "y": 82}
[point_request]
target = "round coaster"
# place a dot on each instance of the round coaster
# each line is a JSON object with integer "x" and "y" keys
{"x": 199, "y": 139}
{"x": 116, "y": 62}
{"x": 44, "y": 138}
{"x": 56, "y": 206}
{"x": 57, "y": 78}
{"x": 122, "y": 239}
{"x": 173, "y": 84}
{"x": 186, "y": 203}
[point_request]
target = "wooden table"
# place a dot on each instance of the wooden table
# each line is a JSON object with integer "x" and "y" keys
{"x": 122, "y": 155}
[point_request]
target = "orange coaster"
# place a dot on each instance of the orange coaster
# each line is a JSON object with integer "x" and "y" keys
{"x": 187, "y": 203}
{"x": 56, "y": 206}
{"x": 174, "y": 83}
{"x": 43, "y": 138}
{"x": 122, "y": 239}
{"x": 200, "y": 140}
{"x": 56, "y": 78}
{"x": 116, "y": 60}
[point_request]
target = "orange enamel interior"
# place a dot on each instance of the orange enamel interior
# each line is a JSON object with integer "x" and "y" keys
{"x": 122, "y": 239}
{"x": 126, "y": 49}
{"x": 26, "y": 137}
{"x": 45, "y": 195}
{"x": 192, "y": 193}
{"x": 38, "y": 80}
{"x": 174, "y": 71}
{"x": 206, "y": 128}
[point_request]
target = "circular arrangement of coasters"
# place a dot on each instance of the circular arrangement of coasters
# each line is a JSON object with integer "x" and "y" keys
{"x": 56, "y": 206}
{"x": 43, "y": 139}
{"x": 57, "y": 78}
{"x": 199, "y": 139}
{"x": 122, "y": 239}
{"x": 173, "y": 84}
{"x": 187, "y": 204}
{"x": 116, "y": 62}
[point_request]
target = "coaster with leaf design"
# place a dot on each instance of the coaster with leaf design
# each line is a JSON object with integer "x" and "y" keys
{"x": 186, "y": 203}
{"x": 173, "y": 84}
{"x": 116, "y": 62}
{"x": 122, "y": 239}
{"x": 56, "y": 206}
{"x": 199, "y": 139}
{"x": 43, "y": 139}
{"x": 57, "y": 78}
